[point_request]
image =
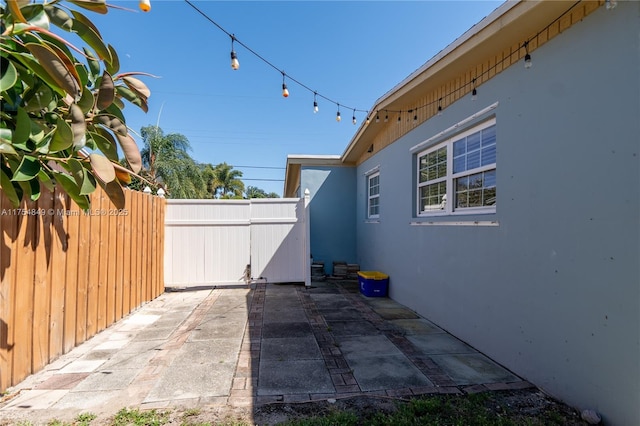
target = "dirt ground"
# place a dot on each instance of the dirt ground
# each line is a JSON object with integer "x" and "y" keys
{"x": 529, "y": 406}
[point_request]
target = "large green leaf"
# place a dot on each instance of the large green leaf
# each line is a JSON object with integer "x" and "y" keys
{"x": 106, "y": 92}
{"x": 112, "y": 123}
{"x": 94, "y": 65}
{"x": 8, "y": 74}
{"x": 33, "y": 66}
{"x": 137, "y": 86}
{"x": 59, "y": 17}
{"x": 35, "y": 14}
{"x": 86, "y": 101}
{"x": 8, "y": 189}
{"x": 38, "y": 99}
{"x": 102, "y": 168}
{"x": 133, "y": 97}
{"x": 23, "y": 128}
{"x": 115, "y": 193}
{"x": 70, "y": 187}
{"x": 91, "y": 37}
{"x": 98, "y": 6}
{"x": 27, "y": 170}
{"x": 62, "y": 138}
{"x": 131, "y": 152}
{"x": 114, "y": 66}
{"x": 34, "y": 189}
{"x": 44, "y": 179}
{"x": 57, "y": 67}
{"x": 83, "y": 179}
{"x": 105, "y": 143}
{"x": 78, "y": 126}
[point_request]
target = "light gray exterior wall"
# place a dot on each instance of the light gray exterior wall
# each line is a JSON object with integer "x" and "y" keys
{"x": 553, "y": 292}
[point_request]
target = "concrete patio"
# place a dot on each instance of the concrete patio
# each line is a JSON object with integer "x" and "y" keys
{"x": 239, "y": 346}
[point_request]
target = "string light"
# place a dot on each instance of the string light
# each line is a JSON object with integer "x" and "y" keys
{"x": 527, "y": 56}
{"x": 415, "y": 116}
{"x": 399, "y": 116}
{"x": 235, "y": 64}
{"x": 353, "y": 118}
{"x": 145, "y": 5}
{"x": 285, "y": 91}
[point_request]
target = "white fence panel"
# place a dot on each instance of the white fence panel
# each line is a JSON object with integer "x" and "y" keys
{"x": 207, "y": 241}
{"x": 278, "y": 240}
{"x": 212, "y": 241}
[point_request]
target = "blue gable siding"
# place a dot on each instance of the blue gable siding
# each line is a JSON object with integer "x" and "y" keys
{"x": 332, "y": 210}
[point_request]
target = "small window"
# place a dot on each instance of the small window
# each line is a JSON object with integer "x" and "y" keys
{"x": 459, "y": 174}
{"x": 373, "y": 198}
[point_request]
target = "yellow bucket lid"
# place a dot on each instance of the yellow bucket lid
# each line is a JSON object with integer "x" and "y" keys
{"x": 375, "y": 275}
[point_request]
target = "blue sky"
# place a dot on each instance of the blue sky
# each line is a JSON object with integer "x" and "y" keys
{"x": 351, "y": 52}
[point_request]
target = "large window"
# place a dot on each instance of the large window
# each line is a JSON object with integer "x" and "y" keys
{"x": 458, "y": 175}
{"x": 373, "y": 198}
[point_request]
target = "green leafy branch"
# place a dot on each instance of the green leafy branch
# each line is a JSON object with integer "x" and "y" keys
{"x": 62, "y": 118}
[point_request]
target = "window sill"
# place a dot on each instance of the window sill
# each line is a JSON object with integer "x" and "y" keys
{"x": 372, "y": 221}
{"x": 457, "y": 223}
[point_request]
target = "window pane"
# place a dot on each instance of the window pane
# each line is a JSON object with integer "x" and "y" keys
{"x": 459, "y": 147}
{"x": 462, "y": 183}
{"x": 431, "y": 196}
{"x": 489, "y": 197}
{"x": 475, "y": 198}
{"x": 489, "y": 135}
{"x": 473, "y": 142}
{"x": 490, "y": 178}
{"x": 489, "y": 155}
{"x": 458, "y": 164}
{"x": 473, "y": 160}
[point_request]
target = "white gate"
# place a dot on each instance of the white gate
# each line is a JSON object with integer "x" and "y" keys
{"x": 211, "y": 242}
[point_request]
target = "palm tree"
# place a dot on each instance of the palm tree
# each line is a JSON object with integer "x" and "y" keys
{"x": 223, "y": 181}
{"x": 167, "y": 162}
{"x": 255, "y": 192}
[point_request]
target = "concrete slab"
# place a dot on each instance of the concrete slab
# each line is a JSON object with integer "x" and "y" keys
{"x": 351, "y": 328}
{"x": 356, "y": 347}
{"x": 330, "y": 305}
{"x": 466, "y": 369}
{"x": 341, "y": 314}
{"x": 154, "y": 333}
{"x": 294, "y": 377}
{"x": 219, "y": 329}
{"x": 440, "y": 343}
{"x": 294, "y": 314}
{"x": 105, "y": 380}
{"x": 82, "y": 366}
{"x": 215, "y": 351}
{"x": 416, "y": 326}
{"x": 40, "y": 399}
{"x": 290, "y": 349}
{"x": 286, "y": 329}
{"x": 386, "y": 372}
{"x": 395, "y": 313}
{"x": 134, "y": 359}
{"x": 86, "y": 401}
{"x": 63, "y": 381}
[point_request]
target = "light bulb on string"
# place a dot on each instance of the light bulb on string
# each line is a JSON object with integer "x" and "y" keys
{"x": 415, "y": 116}
{"x": 145, "y": 5}
{"x": 386, "y": 116}
{"x": 399, "y": 116}
{"x": 285, "y": 91}
{"x": 315, "y": 102}
{"x": 377, "y": 117}
{"x": 368, "y": 119}
{"x": 440, "y": 106}
{"x": 353, "y": 117}
{"x": 235, "y": 64}
{"x": 338, "y": 118}
{"x": 527, "y": 56}
{"x": 474, "y": 92}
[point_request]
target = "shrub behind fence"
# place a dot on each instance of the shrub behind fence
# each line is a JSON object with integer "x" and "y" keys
{"x": 67, "y": 274}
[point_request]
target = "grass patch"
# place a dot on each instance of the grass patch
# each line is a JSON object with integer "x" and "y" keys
{"x": 126, "y": 417}
{"x": 338, "y": 418}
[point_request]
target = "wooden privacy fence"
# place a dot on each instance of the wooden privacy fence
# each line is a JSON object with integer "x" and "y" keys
{"x": 67, "y": 274}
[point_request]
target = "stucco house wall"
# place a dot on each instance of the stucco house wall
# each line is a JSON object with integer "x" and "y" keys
{"x": 332, "y": 210}
{"x": 549, "y": 284}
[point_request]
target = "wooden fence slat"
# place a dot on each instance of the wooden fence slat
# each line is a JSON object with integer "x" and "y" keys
{"x": 71, "y": 320}
{"x": 111, "y": 264}
{"x": 103, "y": 265}
{"x": 57, "y": 277}
{"x": 94, "y": 266}
{"x": 8, "y": 231}
{"x": 84, "y": 266}
{"x": 126, "y": 264}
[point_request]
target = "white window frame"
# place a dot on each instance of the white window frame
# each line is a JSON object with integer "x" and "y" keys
{"x": 370, "y": 176}
{"x": 447, "y": 205}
